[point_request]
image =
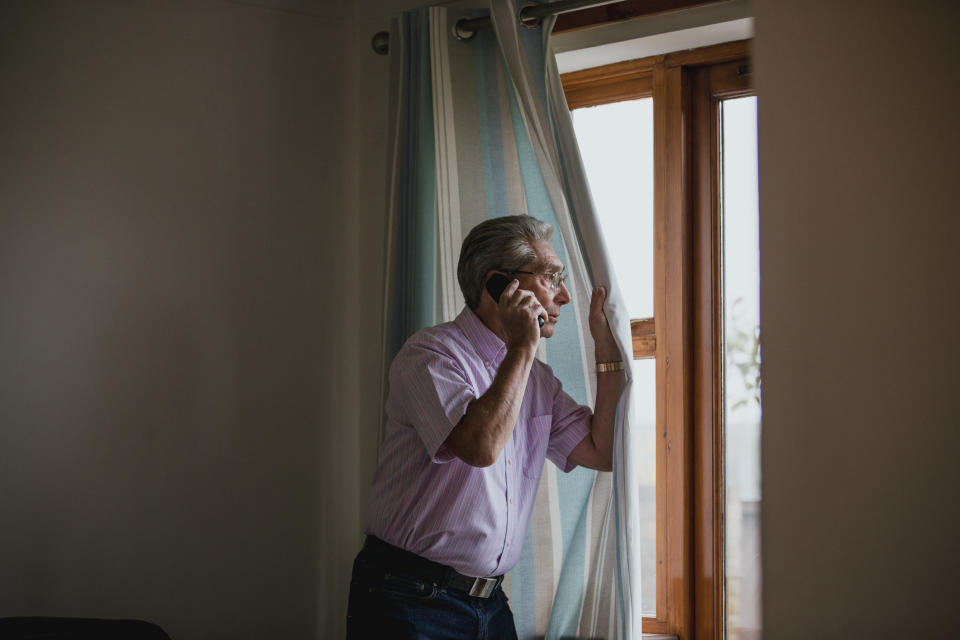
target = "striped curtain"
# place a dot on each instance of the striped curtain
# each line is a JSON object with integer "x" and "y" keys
{"x": 481, "y": 130}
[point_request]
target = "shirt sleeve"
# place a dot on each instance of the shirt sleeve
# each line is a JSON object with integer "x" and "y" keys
{"x": 571, "y": 424}
{"x": 429, "y": 389}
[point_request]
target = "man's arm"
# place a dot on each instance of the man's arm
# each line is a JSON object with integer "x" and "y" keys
{"x": 486, "y": 427}
{"x": 595, "y": 451}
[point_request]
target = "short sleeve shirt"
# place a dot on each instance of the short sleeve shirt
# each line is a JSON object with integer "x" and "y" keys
{"x": 428, "y": 501}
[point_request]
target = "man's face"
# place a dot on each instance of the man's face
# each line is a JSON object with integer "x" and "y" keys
{"x": 541, "y": 286}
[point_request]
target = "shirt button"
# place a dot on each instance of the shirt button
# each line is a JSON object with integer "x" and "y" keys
{"x": 508, "y": 460}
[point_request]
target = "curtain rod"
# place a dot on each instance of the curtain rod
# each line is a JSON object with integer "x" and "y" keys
{"x": 529, "y": 16}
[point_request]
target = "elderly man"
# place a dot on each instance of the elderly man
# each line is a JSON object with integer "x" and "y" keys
{"x": 471, "y": 416}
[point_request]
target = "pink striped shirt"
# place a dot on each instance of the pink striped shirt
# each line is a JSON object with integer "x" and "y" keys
{"x": 425, "y": 499}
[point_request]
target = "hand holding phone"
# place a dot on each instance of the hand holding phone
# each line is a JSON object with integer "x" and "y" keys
{"x": 495, "y": 286}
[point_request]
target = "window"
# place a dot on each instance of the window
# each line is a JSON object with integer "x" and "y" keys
{"x": 683, "y": 128}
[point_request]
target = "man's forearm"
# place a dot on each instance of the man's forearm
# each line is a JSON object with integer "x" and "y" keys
{"x": 486, "y": 427}
{"x": 609, "y": 387}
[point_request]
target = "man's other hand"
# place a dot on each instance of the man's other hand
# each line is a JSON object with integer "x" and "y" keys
{"x": 605, "y": 345}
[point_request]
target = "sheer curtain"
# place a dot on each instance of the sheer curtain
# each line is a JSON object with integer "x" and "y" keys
{"x": 481, "y": 129}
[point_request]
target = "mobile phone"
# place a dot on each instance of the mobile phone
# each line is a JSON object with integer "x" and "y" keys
{"x": 495, "y": 286}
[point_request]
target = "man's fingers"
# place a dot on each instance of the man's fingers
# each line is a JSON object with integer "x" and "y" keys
{"x": 538, "y": 309}
{"x": 511, "y": 287}
{"x": 526, "y": 301}
{"x": 520, "y": 297}
{"x": 598, "y": 298}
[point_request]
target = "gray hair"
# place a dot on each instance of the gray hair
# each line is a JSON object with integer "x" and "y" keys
{"x": 498, "y": 244}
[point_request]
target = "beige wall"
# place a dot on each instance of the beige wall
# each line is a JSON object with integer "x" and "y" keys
{"x": 350, "y": 463}
{"x": 858, "y": 105}
{"x": 191, "y": 234}
{"x": 177, "y": 273}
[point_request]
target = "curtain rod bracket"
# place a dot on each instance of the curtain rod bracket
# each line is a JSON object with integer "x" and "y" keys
{"x": 381, "y": 42}
{"x": 530, "y": 22}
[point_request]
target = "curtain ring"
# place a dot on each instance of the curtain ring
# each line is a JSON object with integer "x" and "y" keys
{"x": 462, "y": 33}
{"x": 529, "y": 23}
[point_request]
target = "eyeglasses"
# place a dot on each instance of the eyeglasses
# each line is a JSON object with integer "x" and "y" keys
{"x": 556, "y": 278}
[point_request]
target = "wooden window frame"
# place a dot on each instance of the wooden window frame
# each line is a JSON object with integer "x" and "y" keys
{"x": 685, "y": 333}
{"x": 709, "y": 86}
{"x": 620, "y": 11}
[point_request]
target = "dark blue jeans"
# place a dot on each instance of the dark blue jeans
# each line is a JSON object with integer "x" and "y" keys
{"x": 387, "y": 604}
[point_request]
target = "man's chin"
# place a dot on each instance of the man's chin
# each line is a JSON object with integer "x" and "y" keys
{"x": 547, "y": 329}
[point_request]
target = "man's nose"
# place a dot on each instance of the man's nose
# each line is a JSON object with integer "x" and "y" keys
{"x": 563, "y": 295}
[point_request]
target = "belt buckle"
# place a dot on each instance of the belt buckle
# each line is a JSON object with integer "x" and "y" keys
{"x": 483, "y": 587}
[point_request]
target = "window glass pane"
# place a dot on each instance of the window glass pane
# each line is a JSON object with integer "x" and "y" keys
{"x": 616, "y": 143}
{"x": 741, "y": 319}
{"x": 644, "y": 399}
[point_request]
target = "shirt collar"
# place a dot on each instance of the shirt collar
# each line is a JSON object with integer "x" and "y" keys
{"x": 488, "y": 344}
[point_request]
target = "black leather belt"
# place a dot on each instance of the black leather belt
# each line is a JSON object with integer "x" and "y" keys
{"x": 429, "y": 571}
